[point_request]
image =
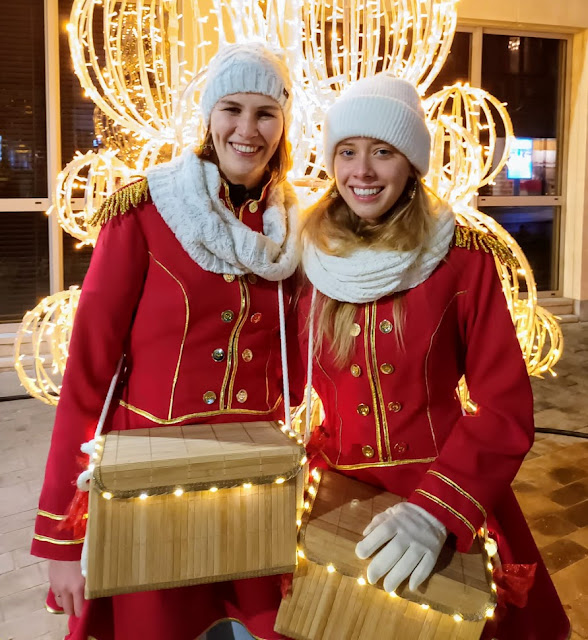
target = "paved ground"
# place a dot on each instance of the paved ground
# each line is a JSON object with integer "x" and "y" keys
{"x": 552, "y": 487}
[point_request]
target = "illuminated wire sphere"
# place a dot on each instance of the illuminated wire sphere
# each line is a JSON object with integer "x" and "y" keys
{"x": 92, "y": 176}
{"x": 478, "y": 112}
{"x": 48, "y": 327}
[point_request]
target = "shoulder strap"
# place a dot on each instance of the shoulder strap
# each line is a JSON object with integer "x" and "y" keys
{"x": 469, "y": 238}
{"x": 121, "y": 201}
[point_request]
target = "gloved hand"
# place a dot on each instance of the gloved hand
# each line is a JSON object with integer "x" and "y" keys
{"x": 411, "y": 540}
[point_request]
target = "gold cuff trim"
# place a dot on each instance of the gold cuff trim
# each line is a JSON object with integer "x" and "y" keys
{"x": 368, "y": 465}
{"x": 204, "y": 414}
{"x": 51, "y": 516}
{"x": 54, "y": 541}
{"x": 451, "y": 510}
{"x": 459, "y": 490}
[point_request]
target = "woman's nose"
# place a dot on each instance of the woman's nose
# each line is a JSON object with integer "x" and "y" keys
{"x": 363, "y": 167}
{"x": 246, "y": 126}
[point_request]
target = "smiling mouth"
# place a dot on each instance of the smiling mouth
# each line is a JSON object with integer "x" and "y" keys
{"x": 245, "y": 149}
{"x": 362, "y": 192}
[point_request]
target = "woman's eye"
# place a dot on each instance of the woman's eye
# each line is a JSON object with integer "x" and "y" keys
{"x": 266, "y": 114}
{"x": 383, "y": 152}
{"x": 231, "y": 109}
{"x": 347, "y": 153}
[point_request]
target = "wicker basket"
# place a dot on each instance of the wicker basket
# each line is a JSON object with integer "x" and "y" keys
{"x": 330, "y": 599}
{"x": 175, "y": 506}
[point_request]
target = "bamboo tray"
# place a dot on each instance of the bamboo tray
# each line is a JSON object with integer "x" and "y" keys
{"x": 330, "y": 599}
{"x": 174, "y": 506}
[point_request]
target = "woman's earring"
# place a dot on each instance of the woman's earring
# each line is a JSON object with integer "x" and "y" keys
{"x": 412, "y": 191}
{"x": 205, "y": 150}
{"x": 334, "y": 193}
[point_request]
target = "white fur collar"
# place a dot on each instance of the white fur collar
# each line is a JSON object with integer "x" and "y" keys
{"x": 368, "y": 274}
{"x": 186, "y": 192}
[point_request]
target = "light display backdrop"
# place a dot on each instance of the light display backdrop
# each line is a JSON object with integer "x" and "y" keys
{"x": 143, "y": 64}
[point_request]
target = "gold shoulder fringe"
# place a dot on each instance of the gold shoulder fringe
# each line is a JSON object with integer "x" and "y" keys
{"x": 468, "y": 238}
{"x": 121, "y": 201}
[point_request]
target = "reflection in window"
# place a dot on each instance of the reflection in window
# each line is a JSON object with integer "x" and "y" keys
{"x": 525, "y": 72}
{"x": 534, "y": 228}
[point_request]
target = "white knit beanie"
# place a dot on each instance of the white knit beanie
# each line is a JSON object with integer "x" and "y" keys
{"x": 381, "y": 107}
{"x": 247, "y": 68}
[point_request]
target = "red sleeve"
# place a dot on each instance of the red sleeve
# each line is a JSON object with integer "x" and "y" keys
{"x": 296, "y": 337}
{"x": 483, "y": 452}
{"x": 108, "y": 300}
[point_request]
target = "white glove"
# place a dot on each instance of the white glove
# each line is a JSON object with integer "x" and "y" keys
{"x": 413, "y": 539}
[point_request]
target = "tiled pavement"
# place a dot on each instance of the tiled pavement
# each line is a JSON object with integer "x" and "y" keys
{"x": 552, "y": 487}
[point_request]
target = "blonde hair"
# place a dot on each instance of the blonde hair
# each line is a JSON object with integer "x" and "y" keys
{"x": 279, "y": 165}
{"x": 334, "y": 229}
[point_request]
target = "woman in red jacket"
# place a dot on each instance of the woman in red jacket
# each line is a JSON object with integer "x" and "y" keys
{"x": 184, "y": 282}
{"x": 405, "y": 303}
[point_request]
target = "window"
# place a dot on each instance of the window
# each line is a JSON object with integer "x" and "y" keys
{"x": 457, "y": 66}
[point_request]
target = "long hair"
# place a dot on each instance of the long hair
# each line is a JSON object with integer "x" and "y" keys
{"x": 279, "y": 165}
{"x": 334, "y": 229}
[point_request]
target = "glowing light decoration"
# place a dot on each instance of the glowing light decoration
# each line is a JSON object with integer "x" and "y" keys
{"x": 49, "y": 325}
{"x": 143, "y": 64}
{"x": 93, "y": 176}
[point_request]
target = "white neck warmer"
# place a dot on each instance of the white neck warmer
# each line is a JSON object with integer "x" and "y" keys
{"x": 186, "y": 192}
{"x": 369, "y": 274}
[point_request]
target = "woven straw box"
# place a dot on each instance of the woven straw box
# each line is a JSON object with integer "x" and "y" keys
{"x": 174, "y": 506}
{"x": 330, "y": 599}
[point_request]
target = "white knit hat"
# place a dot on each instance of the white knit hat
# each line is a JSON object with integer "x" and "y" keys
{"x": 247, "y": 68}
{"x": 381, "y": 107}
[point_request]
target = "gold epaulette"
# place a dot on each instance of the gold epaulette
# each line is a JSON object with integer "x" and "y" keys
{"x": 468, "y": 238}
{"x": 121, "y": 201}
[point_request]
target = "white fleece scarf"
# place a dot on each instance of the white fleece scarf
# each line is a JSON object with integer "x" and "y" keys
{"x": 186, "y": 192}
{"x": 369, "y": 274}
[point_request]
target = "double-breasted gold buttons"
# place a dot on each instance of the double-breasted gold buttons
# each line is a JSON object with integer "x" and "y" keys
{"x": 368, "y": 451}
{"x": 355, "y": 330}
{"x": 209, "y": 397}
{"x": 386, "y": 326}
{"x": 241, "y": 395}
{"x": 386, "y": 368}
{"x": 247, "y": 355}
{"x": 355, "y": 370}
{"x": 227, "y": 316}
{"x": 253, "y": 207}
{"x": 229, "y": 277}
{"x": 394, "y": 406}
{"x": 363, "y": 409}
{"x": 218, "y": 355}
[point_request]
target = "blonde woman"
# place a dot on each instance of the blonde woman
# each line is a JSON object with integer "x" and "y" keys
{"x": 405, "y": 303}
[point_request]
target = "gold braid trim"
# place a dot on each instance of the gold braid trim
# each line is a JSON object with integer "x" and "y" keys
{"x": 121, "y": 201}
{"x": 468, "y": 238}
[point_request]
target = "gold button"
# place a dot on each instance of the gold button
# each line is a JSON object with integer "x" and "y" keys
{"x": 363, "y": 409}
{"x": 355, "y": 330}
{"x": 227, "y": 316}
{"x": 242, "y": 395}
{"x": 209, "y": 397}
{"x": 256, "y": 317}
{"x": 355, "y": 370}
{"x": 252, "y": 278}
{"x": 386, "y": 368}
{"x": 229, "y": 277}
{"x": 368, "y": 451}
{"x": 394, "y": 406}
{"x": 247, "y": 355}
{"x": 253, "y": 207}
{"x": 218, "y": 355}
{"x": 385, "y": 326}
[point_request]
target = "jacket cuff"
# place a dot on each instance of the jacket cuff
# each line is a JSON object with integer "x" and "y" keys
{"x": 52, "y": 542}
{"x": 458, "y": 510}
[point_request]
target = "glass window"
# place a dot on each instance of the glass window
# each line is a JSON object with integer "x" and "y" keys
{"x": 525, "y": 72}
{"x": 23, "y": 130}
{"x": 24, "y": 263}
{"x": 457, "y": 66}
{"x": 534, "y": 228}
{"x": 76, "y": 261}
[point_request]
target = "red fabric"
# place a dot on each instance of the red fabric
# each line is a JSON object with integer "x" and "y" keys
{"x": 145, "y": 296}
{"x": 514, "y": 582}
{"x": 402, "y": 428}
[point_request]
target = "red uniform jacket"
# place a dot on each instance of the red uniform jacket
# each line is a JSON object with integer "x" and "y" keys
{"x": 393, "y": 418}
{"x": 199, "y": 348}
